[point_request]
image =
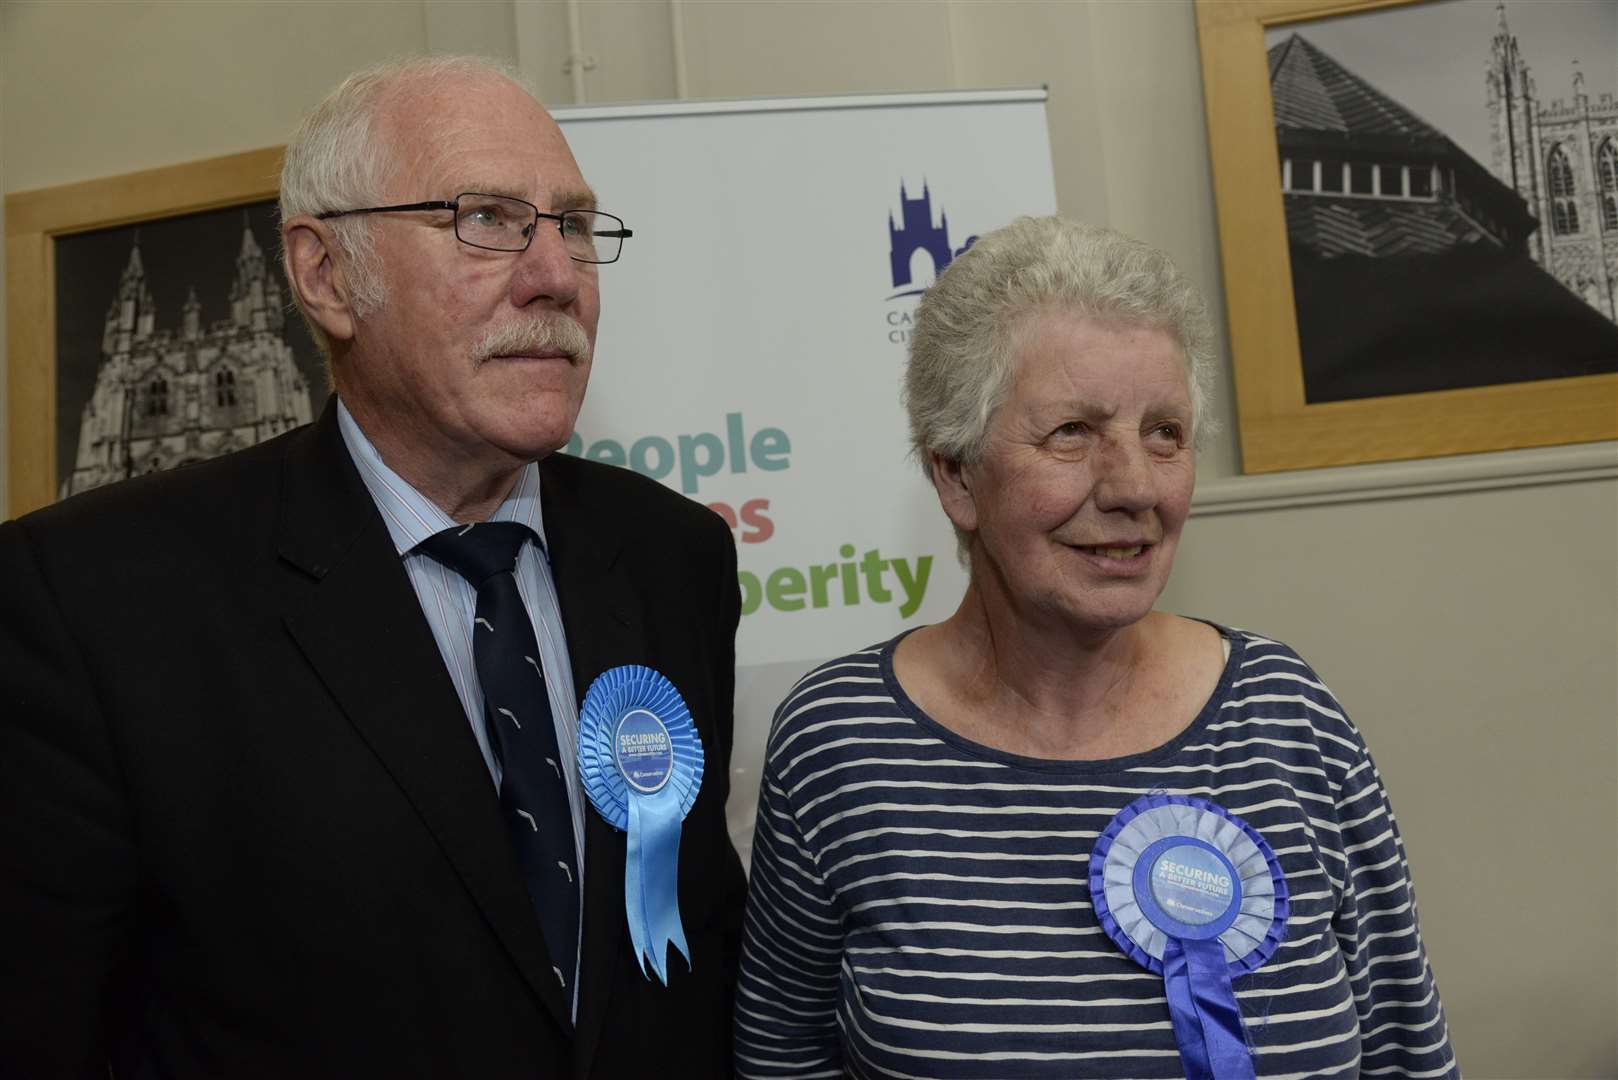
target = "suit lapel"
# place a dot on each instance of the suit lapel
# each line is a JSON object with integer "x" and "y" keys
{"x": 601, "y": 616}
{"x": 363, "y": 631}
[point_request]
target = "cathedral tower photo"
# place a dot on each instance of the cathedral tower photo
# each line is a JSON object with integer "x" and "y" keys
{"x": 1561, "y": 156}
{"x": 181, "y": 382}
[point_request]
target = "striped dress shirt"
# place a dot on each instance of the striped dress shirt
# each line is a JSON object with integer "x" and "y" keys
{"x": 450, "y": 604}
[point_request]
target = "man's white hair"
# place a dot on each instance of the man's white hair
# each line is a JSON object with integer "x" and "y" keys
{"x": 970, "y": 324}
{"x": 337, "y": 159}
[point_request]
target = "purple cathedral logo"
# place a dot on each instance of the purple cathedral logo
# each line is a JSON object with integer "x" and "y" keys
{"x": 916, "y": 232}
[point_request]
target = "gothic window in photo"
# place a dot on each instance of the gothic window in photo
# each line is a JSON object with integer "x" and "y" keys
{"x": 1607, "y": 176}
{"x": 1564, "y": 210}
{"x": 157, "y": 397}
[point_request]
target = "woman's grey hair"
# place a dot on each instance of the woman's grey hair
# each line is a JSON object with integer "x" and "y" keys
{"x": 967, "y": 327}
{"x": 338, "y": 159}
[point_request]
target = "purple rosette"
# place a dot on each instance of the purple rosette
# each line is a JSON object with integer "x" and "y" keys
{"x": 1193, "y": 893}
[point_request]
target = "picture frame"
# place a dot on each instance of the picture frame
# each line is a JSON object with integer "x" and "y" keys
{"x": 1279, "y": 428}
{"x": 36, "y": 221}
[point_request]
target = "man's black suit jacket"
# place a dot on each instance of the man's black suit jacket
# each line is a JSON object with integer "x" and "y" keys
{"x": 244, "y": 828}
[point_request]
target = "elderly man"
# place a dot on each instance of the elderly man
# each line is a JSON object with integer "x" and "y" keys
{"x": 264, "y": 809}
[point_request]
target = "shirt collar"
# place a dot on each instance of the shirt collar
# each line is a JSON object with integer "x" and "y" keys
{"x": 410, "y": 516}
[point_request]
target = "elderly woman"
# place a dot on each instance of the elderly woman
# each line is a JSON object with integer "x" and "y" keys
{"x": 1062, "y": 833}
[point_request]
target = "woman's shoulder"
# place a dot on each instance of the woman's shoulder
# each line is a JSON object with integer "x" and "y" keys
{"x": 1270, "y": 682}
{"x": 1262, "y": 651}
{"x": 1264, "y": 663}
{"x": 837, "y": 694}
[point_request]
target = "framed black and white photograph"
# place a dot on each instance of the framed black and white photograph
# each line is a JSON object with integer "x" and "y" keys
{"x": 1432, "y": 265}
{"x": 149, "y": 325}
{"x": 1465, "y": 201}
{"x": 175, "y": 342}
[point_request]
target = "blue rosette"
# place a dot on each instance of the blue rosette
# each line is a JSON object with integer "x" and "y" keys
{"x": 641, "y": 763}
{"x": 1193, "y": 893}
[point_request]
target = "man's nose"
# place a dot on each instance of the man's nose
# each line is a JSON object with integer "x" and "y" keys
{"x": 1123, "y": 476}
{"x": 545, "y": 272}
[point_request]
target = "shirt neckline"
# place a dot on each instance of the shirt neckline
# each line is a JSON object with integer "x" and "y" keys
{"x": 1090, "y": 766}
{"x": 409, "y": 515}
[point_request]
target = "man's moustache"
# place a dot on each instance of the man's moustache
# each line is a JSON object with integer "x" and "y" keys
{"x": 557, "y": 333}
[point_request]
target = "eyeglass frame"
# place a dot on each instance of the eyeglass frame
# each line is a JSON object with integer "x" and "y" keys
{"x": 453, "y": 205}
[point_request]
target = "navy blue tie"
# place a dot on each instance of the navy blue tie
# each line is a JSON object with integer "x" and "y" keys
{"x": 517, "y": 712}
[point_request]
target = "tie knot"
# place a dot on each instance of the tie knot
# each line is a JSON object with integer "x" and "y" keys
{"x": 478, "y": 551}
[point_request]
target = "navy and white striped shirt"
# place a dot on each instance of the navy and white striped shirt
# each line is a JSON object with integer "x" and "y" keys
{"x": 920, "y": 904}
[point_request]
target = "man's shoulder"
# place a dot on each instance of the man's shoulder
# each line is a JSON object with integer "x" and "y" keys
{"x": 235, "y": 485}
{"x": 621, "y": 495}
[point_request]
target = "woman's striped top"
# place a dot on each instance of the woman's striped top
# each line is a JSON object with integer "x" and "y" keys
{"x": 920, "y": 903}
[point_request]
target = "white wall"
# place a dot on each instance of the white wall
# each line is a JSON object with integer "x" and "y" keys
{"x": 1472, "y": 636}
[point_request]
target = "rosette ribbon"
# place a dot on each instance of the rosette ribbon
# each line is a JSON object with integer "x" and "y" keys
{"x": 1193, "y": 893}
{"x": 641, "y": 763}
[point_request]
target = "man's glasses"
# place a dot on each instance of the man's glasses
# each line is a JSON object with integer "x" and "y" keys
{"x": 501, "y": 223}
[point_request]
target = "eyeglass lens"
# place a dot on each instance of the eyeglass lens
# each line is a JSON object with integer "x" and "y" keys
{"x": 492, "y": 221}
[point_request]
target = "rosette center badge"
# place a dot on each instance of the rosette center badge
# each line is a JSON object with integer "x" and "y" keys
{"x": 643, "y": 752}
{"x": 641, "y": 762}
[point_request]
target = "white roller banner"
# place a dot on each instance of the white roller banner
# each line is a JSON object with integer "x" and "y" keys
{"x": 753, "y": 342}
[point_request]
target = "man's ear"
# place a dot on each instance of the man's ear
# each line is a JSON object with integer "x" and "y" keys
{"x": 953, "y": 482}
{"x": 316, "y": 277}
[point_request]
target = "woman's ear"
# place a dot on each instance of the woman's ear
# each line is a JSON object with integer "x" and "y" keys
{"x": 313, "y": 271}
{"x": 953, "y": 482}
